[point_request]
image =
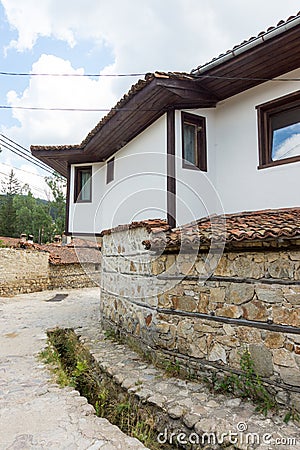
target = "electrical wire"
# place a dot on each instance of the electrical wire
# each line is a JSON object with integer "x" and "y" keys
{"x": 21, "y": 149}
{"x": 100, "y": 75}
{"x": 37, "y": 108}
{"x": 22, "y": 170}
{"x": 24, "y": 156}
{"x": 35, "y": 188}
{"x": 122, "y": 75}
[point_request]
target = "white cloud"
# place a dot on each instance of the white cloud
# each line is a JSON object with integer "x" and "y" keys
{"x": 290, "y": 147}
{"x": 144, "y": 36}
{"x": 59, "y": 127}
{"x": 174, "y": 34}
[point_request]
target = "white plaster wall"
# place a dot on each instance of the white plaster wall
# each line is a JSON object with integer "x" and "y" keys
{"x": 240, "y": 184}
{"x": 196, "y": 195}
{"x": 138, "y": 191}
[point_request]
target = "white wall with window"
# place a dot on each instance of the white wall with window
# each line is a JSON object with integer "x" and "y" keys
{"x": 195, "y": 183}
{"x": 131, "y": 188}
{"x": 234, "y": 169}
{"x": 241, "y": 183}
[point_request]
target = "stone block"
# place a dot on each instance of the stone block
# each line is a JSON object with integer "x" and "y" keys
{"x": 232, "y": 311}
{"x": 295, "y": 401}
{"x": 217, "y": 353}
{"x": 262, "y": 358}
{"x": 217, "y": 295}
{"x": 269, "y": 294}
{"x": 239, "y": 293}
{"x": 246, "y": 267}
{"x": 290, "y": 376}
{"x": 283, "y": 357}
{"x": 286, "y": 316}
{"x": 255, "y": 310}
{"x": 225, "y": 268}
{"x": 184, "y": 303}
{"x": 274, "y": 340}
{"x": 280, "y": 268}
{"x": 203, "y": 303}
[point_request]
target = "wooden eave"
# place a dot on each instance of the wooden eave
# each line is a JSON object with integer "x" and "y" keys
{"x": 270, "y": 59}
{"x": 140, "y": 111}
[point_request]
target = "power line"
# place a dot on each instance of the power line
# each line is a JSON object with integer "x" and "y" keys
{"x": 22, "y": 170}
{"x": 23, "y": 155}
{"x": 100, "y": 75}
{"x": 37, "y": 108}
{"x": 35, "y": 188}
{"x": 21, "y": 149}
{"x": 138, "y": 74}
{"x": 15, "y": 143}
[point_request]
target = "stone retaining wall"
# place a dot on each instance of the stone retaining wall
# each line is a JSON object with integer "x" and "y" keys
{"x": 66, "y": 276}
{"x": 24, "y": 271}
{"x": 252, "y": 301}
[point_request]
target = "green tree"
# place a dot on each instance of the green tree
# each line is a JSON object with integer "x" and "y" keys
{"x": 32, "y": 217}
{"x": 10, "y": 189}
{"x": 57, "y": 185}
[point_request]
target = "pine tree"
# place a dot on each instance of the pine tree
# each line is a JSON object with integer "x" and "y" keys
{"x": 10, "y": 189}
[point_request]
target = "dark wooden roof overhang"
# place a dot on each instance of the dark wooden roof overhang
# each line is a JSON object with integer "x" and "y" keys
{"x": 142, "y": 109}
{"x": 244, "y": 68}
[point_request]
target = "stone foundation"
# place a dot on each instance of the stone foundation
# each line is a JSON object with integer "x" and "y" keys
{"x": 251, "y": 301}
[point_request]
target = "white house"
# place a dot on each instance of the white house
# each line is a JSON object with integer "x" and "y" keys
{"x": 178, "y": 146}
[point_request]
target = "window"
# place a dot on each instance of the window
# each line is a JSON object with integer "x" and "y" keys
{"x": 193, "y": 142}
{"x": 83, "y": 184}
{"x": 279, "y": 131}
{"x": 110, "y": 170}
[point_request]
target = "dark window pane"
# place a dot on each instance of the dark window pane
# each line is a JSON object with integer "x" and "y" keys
{"x": 110, "y": 169}
{"x": 85, "y": 185}
{"x": 190, "y": 143}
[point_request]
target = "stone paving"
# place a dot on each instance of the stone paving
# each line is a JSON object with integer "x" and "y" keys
{"x": 34, "y": 412}
{"x": 189, "y": 406}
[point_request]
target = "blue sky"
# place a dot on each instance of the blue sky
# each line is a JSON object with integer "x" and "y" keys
{"x": 97, "y": 36}
{"x": 286, "y": 142}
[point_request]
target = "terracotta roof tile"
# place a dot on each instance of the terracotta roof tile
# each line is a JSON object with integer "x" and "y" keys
{"x": 151, "y": 225}
{"x": 79, "y": 251}
{"x": 241, "y": 227}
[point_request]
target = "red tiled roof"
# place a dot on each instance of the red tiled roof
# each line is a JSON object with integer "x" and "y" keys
{"x": 79, "y": 251}
{"x": 241, "y": 227}
{"x": 9, "y": 242}
{"x": 151, "y": 225}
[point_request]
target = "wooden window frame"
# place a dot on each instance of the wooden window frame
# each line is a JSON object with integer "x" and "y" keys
{"x": 110, "y": 170}
{"x": 265, "y": 112}
{"x": 77, "y": 183}
{"x": 201, "y": 146}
